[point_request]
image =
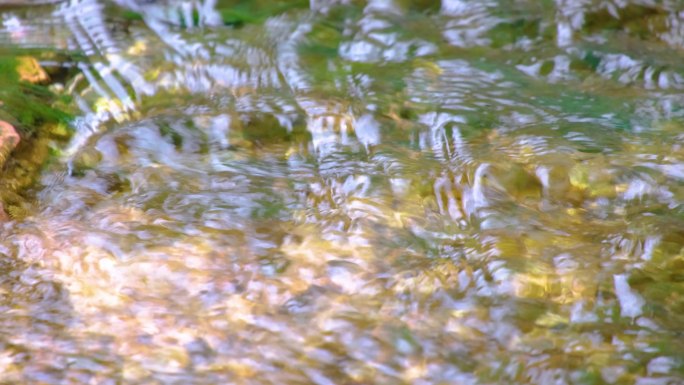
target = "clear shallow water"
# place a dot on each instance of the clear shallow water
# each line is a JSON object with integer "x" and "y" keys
{"x": 376, "y": 192}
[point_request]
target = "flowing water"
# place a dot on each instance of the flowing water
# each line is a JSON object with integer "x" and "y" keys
{"x": 353, "y": 192}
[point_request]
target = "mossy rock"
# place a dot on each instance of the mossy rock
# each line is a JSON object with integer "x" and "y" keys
{"x": 29, "y": 123}
{"x": 24, "y": 104}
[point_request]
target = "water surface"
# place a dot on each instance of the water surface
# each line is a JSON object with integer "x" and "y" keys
{"x": 353, "y": 192}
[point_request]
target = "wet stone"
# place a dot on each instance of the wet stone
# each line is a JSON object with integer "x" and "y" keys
{"x": 9, "y": 140}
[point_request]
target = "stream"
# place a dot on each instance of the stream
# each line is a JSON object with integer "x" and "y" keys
{"x": 352, "y": 192}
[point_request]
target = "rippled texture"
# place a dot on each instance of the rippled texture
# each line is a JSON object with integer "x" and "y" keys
{"x": 355, "y": 192}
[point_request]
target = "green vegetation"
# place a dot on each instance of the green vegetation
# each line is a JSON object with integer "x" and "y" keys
{"x": 27, "y": 105}
{"x": 240, "y": 12}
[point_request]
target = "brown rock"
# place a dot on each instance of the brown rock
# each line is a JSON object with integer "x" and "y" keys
{"x": 9, "y": 139}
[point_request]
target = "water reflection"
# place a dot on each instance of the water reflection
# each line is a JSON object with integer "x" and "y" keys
{"x": 358, "y": 192}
